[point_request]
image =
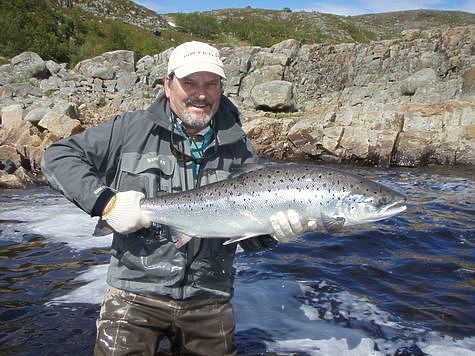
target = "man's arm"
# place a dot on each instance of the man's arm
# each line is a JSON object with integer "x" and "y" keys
{"x": 80, "y": 166}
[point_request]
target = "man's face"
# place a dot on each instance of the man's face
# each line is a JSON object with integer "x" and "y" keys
{"x": 194, "y": 98}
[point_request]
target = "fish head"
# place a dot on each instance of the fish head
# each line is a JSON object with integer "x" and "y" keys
{"x": 372, "y": 204}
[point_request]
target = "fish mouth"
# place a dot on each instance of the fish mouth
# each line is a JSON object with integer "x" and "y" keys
{"x": 394, "y": 208}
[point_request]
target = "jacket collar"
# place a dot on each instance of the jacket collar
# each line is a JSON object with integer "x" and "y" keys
{"x": 227, "y": 121}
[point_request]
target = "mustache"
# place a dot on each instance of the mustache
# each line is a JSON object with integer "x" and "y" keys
{"x": 197, "y": 102}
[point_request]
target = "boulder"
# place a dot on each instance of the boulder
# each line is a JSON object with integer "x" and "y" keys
{"x": 289, "y": 48}
{"x": 275, "y": 95}
{"x": 10, "y": 181}
{"x": 12, "y": 116}
{"x": 29, "y": 65}
{"x": 420, "y": 79}
{"x": 35, "y": 115}
{"x": 468, "y": 86}
{"x": 107, "y": 65}
{"x": 60, "y": 125}
{"x": 94, "y": 69}
{"x": 306, "y": 136}
{"x": 414, "y": 149}
{"x": 10, "y": 153}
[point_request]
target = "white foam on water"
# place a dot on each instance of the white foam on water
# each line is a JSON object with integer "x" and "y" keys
{"x": 328, "y": 347}
{"x": 437, "y": 345}
{"x": 349, "y": 306}
{"x": 90, "y": 293}
{"x": 52, "y": 217}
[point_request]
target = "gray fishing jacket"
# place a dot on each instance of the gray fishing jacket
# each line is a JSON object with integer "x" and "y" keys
{"x": 139, "y": 151}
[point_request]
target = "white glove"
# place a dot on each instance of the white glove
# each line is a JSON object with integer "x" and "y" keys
{"x": 288, "y": 225}
{"x": 125, "y": 215}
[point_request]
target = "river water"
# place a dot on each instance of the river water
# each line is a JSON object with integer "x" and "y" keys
{"x": 403, "y": 286}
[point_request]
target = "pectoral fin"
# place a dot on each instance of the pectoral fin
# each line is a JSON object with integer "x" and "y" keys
{"x": 179, "y": 238}
{"x": 333, "y": 224}
{"x": 237, "y": 239}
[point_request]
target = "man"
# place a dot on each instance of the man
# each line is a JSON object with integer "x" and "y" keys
{"x": 189, "y": 137}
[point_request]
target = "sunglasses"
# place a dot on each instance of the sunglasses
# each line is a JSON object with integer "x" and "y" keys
{"x": 184, "y": 157}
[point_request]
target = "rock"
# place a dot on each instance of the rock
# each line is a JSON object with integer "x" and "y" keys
{"x": 275, "y": 95}
{"x": 381, "y": 147}
{"x": 331, "y": 138}
{"x": 54, "y": 67}
{"x": 414, "y": 149}
{"x": 92, "y": 68}
{"x": 35, "y": 115}
{"x": 268, "y": 135}
{"x": 126, "y": 82}
{"x": 29, "y": 65}
{"x": 266, "y": 59}
{"x": 12, "y": 116}
{"x": 355, "y": 143}
{"x": 22, "y": 90}
{"x": 259, "y": 76}
{"x": 307, "y": 136}
{"x": 67, "y": 108}
{"x": 10, "y": 153}
{"x": 10, "y": 181}
{"x": 466, "y": 146}
{"x": 8, "y": 166}
{"x": 422, "y": 78}
{"x": 288, "y": 48}
{"x": 107, "y": 65}
{"x": 121, "y": 60}
{"x": 60, "y": 124}
{"x": 468, "y": 86}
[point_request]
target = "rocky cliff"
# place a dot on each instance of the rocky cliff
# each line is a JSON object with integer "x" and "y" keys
{"x": 401, "y": 102}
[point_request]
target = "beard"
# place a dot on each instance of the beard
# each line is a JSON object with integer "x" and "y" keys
{"x": 195, "y": 120}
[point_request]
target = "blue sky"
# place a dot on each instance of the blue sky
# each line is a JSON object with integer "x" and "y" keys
{"x": 338, "y": 7}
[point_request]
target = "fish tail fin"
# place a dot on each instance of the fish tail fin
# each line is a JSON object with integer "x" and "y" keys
{"x": 333, "y": 224}
{"x": 102, "y": 229}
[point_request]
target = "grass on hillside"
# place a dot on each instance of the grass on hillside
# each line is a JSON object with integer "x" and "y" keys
{"x": 248, "y": 27}
{"x": 71, "y": 35}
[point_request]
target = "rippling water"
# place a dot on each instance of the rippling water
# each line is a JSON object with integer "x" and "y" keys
{"x": 402, "y": 286}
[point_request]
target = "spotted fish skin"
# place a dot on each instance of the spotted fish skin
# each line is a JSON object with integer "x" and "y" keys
{"x": 240, "y": 207}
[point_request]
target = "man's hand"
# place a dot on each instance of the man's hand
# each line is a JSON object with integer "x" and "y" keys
{"x": 123, "y": 213}
{"x": 288, "y": 225}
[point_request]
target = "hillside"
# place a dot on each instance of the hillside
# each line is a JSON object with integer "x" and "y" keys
{"x": 72, "y": 30}
{"x": 124, "y": 10}
{"x": 267, "y": 27}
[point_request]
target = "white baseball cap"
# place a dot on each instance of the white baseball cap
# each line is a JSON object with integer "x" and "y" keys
{"x": 194, "y": 56}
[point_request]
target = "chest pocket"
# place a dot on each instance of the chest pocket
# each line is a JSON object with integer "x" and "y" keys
{"x": 148, "y": 173}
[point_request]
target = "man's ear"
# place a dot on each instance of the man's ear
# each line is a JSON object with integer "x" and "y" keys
{"x": 166, "y": 86}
